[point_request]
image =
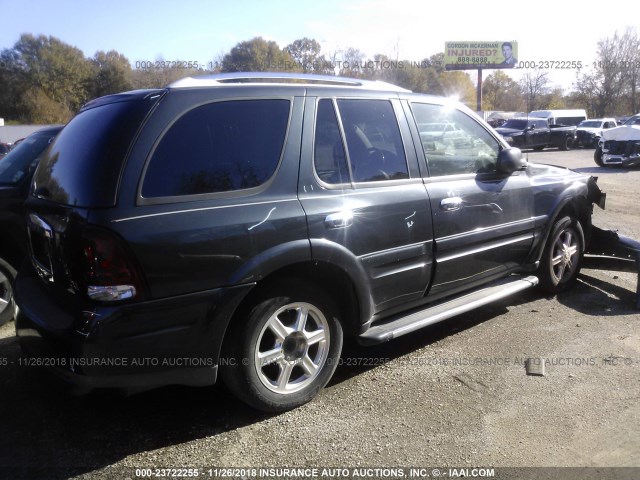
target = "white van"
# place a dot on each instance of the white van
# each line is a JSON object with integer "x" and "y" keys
{"x": 561, "y": 117}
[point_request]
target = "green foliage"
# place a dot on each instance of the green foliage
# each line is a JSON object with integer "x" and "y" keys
{"x": 45, "y": 80}
{"x": 258, "y": 55}
{"x": 501, "y": 93}
{"x": 111, "y": 73}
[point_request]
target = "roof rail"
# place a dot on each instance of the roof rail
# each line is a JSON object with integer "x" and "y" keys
{"x": 280, "y": 78}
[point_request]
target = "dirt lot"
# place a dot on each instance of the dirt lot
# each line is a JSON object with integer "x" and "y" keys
{"x": 453, "y": 395}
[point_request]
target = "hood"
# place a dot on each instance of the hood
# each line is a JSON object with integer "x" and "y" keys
{"x": 625, "y": 132}
{"x": 541, "y": 173}
{"x": 589, "y": 129}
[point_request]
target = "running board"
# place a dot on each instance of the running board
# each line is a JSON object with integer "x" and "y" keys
{"x": 469, "y": 301}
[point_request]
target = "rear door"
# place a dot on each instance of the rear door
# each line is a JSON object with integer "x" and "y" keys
{"x": 482, "y": 220}
{"x": 363, "y": 195}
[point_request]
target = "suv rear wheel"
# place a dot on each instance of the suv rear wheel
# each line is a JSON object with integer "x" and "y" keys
{"x": 286, "y": 350}
{"x": 562, "y": 256}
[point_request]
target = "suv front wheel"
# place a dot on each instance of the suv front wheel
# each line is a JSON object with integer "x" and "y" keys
{"x": 285, "y": 349}
{"x": 7, "y": 304}
{"x": 562, "y": 256}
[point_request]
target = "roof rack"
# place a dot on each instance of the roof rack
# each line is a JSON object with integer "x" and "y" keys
{"x": 254, "y": 78}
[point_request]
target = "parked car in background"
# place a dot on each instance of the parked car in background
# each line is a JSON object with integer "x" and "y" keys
{"x": 588, "y": 132}
{"x": 16, "y": 171}
{"x": 536, "y": 133}
{"x": 620, "y": 146}
{"x": 243, "y": 224}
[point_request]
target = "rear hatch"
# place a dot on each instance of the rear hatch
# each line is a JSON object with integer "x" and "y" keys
{"x": 81, "y": 172}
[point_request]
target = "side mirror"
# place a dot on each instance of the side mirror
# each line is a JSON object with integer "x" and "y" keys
{"x": 510, "y": 160}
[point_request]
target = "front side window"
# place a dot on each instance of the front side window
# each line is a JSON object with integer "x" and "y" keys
{"x": 453, "y": 142}
{"x": 219, "y": 147}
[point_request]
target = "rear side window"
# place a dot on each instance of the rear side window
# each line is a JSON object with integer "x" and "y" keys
{"x": 329, "y": 156}
{"x": 373, "y": 140}
{"x": 82, "y": 167}
{"x": 219, "y": 147}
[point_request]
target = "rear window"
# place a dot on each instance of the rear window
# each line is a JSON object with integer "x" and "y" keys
{"x": 83, "y": 165}
{"x": 515, "y": 124}
{"x": 219, "y": 147}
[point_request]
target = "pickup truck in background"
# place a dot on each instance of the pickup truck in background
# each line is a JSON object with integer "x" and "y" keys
{"x": 536, "y": 133}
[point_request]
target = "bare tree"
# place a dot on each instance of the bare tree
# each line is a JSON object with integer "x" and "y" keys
{"x": 605, "y": 87}
{"x": 534, "y": 85}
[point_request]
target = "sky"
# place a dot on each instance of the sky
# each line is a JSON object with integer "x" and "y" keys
{"x": 202, "y": 31}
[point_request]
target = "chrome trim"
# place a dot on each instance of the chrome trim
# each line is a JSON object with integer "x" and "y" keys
{"x": 510, "y": 241}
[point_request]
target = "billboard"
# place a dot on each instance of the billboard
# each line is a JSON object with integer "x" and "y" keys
{"x": 471, "y": 55}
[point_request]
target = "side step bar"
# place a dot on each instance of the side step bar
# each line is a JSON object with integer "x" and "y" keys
{"x": 397, "y": 327}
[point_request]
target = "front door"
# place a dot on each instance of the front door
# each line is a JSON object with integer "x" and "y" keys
{"x": 483, "y": 220}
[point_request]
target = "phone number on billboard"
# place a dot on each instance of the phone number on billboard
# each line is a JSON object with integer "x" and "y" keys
{"x": 551, "y": 64}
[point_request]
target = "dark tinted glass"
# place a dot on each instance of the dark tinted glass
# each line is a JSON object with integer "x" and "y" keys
{"x": 373, "y": 140}
{"x": 329, "y": 157}
{"x": 83, "y": 165}
{"x": 219, "y": 147}
{"x": 515, "y": 124}
{"x": 14, "y": 168}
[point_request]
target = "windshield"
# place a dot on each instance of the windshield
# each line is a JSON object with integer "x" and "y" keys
{"x": 633, "y": 121}
{"x": 517, "y": 124}
{"x": 16, "y": 165}
{"x": 590, "y": 124}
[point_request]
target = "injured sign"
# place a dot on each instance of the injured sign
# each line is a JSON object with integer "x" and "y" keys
{"x": 470, "y": 55}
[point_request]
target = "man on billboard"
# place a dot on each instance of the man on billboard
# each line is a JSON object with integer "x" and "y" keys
{"x": 507, "y": 53}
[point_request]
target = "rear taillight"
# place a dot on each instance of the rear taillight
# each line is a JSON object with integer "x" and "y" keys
{"x": 108, "y": 271}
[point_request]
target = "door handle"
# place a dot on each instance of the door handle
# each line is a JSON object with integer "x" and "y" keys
{"x": 339, "y": 220}
{"x": 451, "y": 204}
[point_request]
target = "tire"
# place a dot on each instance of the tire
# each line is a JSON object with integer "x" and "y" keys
{"x": 562, "y": 256}
{"x": 7, "y": 303}
{"x": 296, "y": 330}
{"x": 597, "y": 157}
{"x": 567, "y": 144}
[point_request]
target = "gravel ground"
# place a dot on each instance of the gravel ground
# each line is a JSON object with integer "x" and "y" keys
{"x": 453, "y": 395}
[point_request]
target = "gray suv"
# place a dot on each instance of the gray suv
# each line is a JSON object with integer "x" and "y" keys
{"x": 243, "y": 224}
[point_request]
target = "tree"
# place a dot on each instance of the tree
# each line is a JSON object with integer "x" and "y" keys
{"x": 58, "y": 69}
{"x": 112, "y": 73}
{"x": 534, "y": 84}
{"x": 352, "y": 63}
{"x": 258, "y": 55}
{"x": 500, "y": 92}
{"x": 306, "y": 53}
{"x": 604, "y": 88}
{"x": 458, "y": 84}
